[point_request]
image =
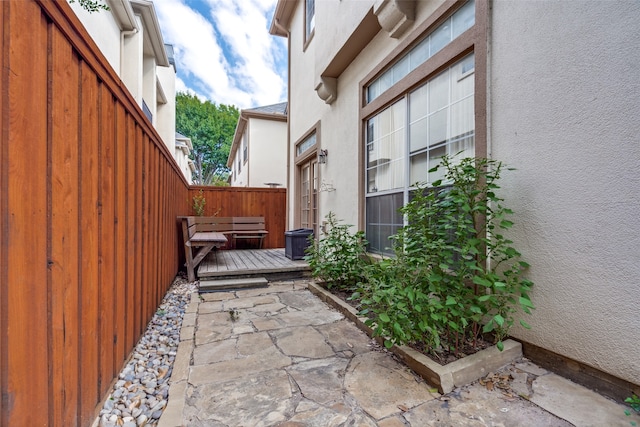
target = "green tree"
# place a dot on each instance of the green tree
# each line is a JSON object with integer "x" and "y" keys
{"x": 211, "y": 128}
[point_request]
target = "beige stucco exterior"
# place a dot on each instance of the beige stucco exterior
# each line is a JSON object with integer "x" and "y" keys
{"x": 261, "y": 133}
{"x": 561, "y": 93}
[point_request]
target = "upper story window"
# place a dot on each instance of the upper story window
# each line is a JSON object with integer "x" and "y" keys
{"x": 309, "y": 19}
{"x": 245, "y": 151}
{"x": 449, "y": 30}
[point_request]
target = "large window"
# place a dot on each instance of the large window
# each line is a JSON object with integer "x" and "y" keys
{"x": 435, "y": 41}
{"x": 407, "y": 138}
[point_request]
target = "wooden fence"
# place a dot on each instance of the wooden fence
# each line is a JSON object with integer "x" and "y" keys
{"x": 89, "y": 197}
{"x": 238, "y": 201}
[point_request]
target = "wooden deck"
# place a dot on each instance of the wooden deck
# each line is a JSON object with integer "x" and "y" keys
{"x": 270, "y": 263}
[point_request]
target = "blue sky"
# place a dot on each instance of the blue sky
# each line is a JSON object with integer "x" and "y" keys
{"x": 224, "y": 52}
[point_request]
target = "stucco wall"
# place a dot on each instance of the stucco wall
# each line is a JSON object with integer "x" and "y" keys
{"x": 104, "y": 30}
{"x": 166, "y": 123}
{"x": 564, "y": 96}
{"x": 267, "y": 152}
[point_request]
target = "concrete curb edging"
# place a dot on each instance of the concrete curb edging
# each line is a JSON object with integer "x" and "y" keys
{"x": 445, "y": 378}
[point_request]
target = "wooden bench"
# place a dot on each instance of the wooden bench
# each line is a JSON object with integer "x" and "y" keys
{"x": 247, "y": 227}
{"x": 200, "y": 232}
{"x": 208, "y": 232}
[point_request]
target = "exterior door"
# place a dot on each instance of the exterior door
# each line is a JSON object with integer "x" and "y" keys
{"x": 309, "y": 195}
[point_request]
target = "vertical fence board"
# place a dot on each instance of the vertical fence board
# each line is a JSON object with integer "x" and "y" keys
{"x": 26, "y": 395}
{"x": 4, "y": 222}
{"x": 64, "y": 262}
{"x": 120, "y": 171}
{"x": 107, "y": 239}
{"x": 89, "y": 230}
{"x": 131, "y": 203}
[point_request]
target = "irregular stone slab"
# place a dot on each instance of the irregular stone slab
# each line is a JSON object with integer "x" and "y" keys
{"x": 303, "y": 341}
{"x": 345, "y": 336}
{"x": 261, "y": 400}
{"x": 391, "y": 422}
{"x": 320, "y": 380}
{"x": 577, "y": 404}
{"x": 215, "y": 352}
{"x": 244, "y": 367}
{"x": 217, "y": 296}
{"x": 212, "y": 334}
{"x": 267, "y": 309}
{"x": 243, "y": 329}
{"x": 267, "y": 324}
{"x": 304, "y": 318}
{"x": 320, "y": 417}
{"x": 475, "y": 406}
{"x": 210, "y": 307}
{"x": 242, "y": 302}
{"x": 381, "y": 385}
{"x": 254, "y": 343}
{"x": 304, "y": 300}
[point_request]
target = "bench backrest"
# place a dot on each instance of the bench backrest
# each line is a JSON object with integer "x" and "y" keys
{"x": 208, "y": 223}
{"x": 248, "y": 223}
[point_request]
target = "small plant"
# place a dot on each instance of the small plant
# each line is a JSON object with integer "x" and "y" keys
{"x": 634, "y": 402}
{"x": 234, "y": 314}
{"x": 339, "y": 257}
{"x": 199, "y": 202}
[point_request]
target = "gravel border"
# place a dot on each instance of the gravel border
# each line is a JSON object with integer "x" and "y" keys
{"x": 141, "y": 392}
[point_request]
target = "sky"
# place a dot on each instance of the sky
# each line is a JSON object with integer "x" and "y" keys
{"x": 224, "y": 52}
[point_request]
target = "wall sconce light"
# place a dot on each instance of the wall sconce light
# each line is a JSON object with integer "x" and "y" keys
{"x": 322, "y": 156}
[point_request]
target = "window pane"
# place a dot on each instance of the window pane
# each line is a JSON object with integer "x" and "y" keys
{"x": 419, "y": 168}
{"x": 462, "y": 117}
{"x": 439, "y": 92}
{"x": 441, "y": 37}
{"x": 438, "y": 127}
{"x": 418, "y": 134}
{"x": 383, "y": 220}
{"x": 464, "y": 18}
{"x": 434, "y": 158}
{"x": 419, "y": 54}
{"x": 418, "y": 103}
{"x": 401, "y": 69}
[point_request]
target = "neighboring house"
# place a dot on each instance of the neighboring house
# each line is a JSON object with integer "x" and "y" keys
{"x": 129, "y": 37}
{"x": 380, "y": 90}
{"x": 182, "y": 151}
{"x": 258, "y": 155}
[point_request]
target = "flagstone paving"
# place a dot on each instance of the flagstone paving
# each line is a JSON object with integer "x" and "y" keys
{"x": 278, "y": 356}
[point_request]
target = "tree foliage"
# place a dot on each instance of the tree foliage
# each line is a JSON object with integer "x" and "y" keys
{"x": 91, "y": 5}
{"x": 211, "y": 128}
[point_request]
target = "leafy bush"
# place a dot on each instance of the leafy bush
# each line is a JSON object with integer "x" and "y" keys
{"x": 454, "y": 270}
{"x": 338, "y": 258}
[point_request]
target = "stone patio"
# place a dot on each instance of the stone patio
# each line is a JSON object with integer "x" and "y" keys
{"x": 278, "y": 356}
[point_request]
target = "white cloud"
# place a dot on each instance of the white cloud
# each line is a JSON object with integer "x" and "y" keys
{"x": 228, "y": 56}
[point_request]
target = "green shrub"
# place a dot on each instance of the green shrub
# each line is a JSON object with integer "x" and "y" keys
{"x": 339, "y": 257}
{"x": 454, "y": 270}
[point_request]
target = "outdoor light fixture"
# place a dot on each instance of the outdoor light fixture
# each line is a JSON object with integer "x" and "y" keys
{"x": 322, "y": 156}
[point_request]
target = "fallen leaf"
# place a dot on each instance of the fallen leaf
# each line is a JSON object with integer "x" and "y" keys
{"x": 403, "y": 408}
{"x": 489, "y": 385}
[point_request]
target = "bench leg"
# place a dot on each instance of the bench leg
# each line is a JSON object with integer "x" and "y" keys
{"x": 191, "y": 275}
